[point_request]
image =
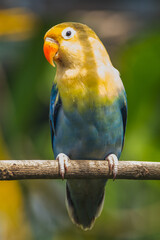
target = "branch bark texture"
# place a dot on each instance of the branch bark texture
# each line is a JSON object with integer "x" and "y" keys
{"x": 77, "y": 169}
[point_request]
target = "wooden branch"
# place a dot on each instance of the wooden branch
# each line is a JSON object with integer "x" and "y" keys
{"x": 85, "y": 169}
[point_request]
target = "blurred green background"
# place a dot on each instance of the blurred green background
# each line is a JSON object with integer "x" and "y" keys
{"x": 130, "y": 30}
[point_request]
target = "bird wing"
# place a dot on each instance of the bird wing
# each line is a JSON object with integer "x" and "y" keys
{"x": 123, "y": 109}
{"x": 55, "y": 105}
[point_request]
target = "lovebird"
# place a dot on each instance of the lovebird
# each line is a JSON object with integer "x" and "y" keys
{"x": 88, "y": 113}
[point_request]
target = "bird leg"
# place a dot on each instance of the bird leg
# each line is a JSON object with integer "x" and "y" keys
{"x": 63, "y": 163}
{"x": 113, "y": 164}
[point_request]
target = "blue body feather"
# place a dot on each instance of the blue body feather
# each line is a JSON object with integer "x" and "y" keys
{"x": 93, "y": 134}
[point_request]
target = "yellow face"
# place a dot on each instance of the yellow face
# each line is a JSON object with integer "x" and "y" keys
{"x": 65, "y": 43}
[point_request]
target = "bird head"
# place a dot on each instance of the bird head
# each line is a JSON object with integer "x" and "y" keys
{"x": 66, "y": 44}
{"x": 84, "y": 70}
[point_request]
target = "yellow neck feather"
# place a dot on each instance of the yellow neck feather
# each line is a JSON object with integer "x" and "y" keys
{"x": 91, "y": 82}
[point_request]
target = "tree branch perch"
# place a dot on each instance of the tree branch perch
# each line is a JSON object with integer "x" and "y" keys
{"x": 85, "y": 169}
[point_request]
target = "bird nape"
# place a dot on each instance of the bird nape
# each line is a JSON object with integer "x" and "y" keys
{"x": 88, "y": 112}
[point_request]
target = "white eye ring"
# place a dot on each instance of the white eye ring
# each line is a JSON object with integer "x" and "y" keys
{"x": 68, "y": 33}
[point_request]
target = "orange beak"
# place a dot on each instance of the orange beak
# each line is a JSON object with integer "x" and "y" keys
{"x": 50, "y": 49}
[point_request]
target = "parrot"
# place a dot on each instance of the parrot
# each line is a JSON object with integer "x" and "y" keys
{"x": 87, "y": 114}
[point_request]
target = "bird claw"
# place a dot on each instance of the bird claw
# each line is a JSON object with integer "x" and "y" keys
{"x": 113, "y": 165}
{"x": 63, "y": 163}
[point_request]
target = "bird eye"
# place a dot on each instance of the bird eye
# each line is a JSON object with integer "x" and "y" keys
{"x": 68, "y": 33}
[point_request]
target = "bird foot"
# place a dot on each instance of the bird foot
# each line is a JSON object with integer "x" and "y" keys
{"x": 63, "y": 163}
{"x": 113, "y": 165}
